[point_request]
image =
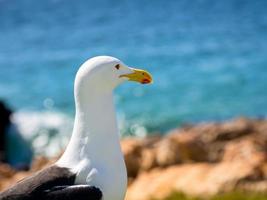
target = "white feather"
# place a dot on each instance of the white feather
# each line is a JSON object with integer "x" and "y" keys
{"x": 94, "y": 152}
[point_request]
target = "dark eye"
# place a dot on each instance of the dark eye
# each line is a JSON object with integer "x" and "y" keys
{"x": 117, "y": 66}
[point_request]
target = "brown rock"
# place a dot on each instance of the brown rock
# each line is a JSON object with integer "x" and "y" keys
{"x": 139, "y": 154}
{"x": 131, "y": 148}
{"x": 148, "y": 159}
{"x": 180, "y": 147}
{"x": 149, "y": 153}
{"x": 167, "y": 152}
{"x": 192, "y": 179}
{"x": 6, "y": 171}
{"x": 248, "y": 149}
{"x": 264, "y": 170}
{"x": 212, "y": 132}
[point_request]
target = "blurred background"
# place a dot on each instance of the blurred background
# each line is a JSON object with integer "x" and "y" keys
{"x": 208, "y": 59}
{"x": 209, "y": 63}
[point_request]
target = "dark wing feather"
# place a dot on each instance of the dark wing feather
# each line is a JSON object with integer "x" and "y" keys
{"x": 45, "y": 184}
{"x": 76, "y": 192}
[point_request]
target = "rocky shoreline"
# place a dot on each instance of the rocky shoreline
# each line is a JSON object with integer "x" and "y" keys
{"x": 198, "y": 160}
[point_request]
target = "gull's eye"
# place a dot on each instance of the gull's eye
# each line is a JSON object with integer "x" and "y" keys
{"x": 117, "y": 66}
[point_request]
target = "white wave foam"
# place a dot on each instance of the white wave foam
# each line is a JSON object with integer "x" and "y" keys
{"x": 47, "y": 131}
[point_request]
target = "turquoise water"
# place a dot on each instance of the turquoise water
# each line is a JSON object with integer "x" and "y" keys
{"x": 208, "y": 59}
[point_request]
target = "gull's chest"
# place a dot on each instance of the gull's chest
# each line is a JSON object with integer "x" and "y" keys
{"x": 110, "y": 177}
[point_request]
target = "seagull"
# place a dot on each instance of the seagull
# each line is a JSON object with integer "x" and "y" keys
{"x": 92, "y": 166}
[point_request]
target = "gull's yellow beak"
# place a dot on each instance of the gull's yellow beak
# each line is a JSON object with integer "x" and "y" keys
{"x": 139, "y": 75}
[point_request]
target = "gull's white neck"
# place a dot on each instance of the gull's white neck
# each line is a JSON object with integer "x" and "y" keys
{"x": 94, "y": 152}
{"x": 95, "y": 133}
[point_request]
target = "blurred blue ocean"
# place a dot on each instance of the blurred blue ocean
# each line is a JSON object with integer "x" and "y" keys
{"x": 208, "y": 59}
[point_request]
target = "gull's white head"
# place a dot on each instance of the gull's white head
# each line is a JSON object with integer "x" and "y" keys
{"x": 105, "y": 73}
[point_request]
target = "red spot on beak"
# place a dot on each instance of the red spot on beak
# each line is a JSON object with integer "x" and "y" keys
{"x": 145, "y": 81}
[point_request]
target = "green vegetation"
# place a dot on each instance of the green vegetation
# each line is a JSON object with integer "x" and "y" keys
{"x": 227, "y": 196}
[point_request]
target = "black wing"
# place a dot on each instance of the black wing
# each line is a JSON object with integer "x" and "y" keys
{"x": 76, "y": 192}
{"x": 51, "y": 183}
